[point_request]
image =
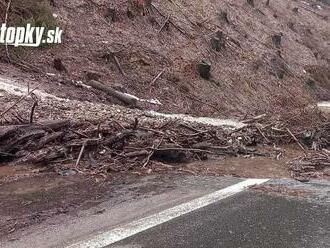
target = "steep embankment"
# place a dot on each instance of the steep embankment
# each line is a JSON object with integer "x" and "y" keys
{"x": 274, "y": 57}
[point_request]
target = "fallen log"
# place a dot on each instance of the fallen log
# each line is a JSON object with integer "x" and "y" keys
{"x": 49, "y": 138}
{"x": 44, "y": 156}
{"x": 124, "y": 98}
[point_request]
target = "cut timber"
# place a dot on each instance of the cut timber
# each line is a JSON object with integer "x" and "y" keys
{"x": 44, "y": 155}
{"x": 20, "y": 140}
{"x": 7, "y": 131}
{"x": 124, "y": 98}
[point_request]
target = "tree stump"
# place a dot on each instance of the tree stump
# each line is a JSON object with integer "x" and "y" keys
{"x": 218, "y": 43}
{"x": 139, "y": 7}
{"x": 111, "y": 15}
{"x": 251, "y": 2}
{"x": 58, "y": 65}
{"x": 204, "y": 69}
{"x": 224, "y": 16}
{"x": 277, "y": 40}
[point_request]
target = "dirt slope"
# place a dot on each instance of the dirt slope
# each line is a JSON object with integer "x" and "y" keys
{"x": 249, "y": 76}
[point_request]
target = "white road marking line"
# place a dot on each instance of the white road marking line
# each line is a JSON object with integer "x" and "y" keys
{"x": 135, "y": 227}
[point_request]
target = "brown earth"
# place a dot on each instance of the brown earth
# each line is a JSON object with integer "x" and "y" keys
{"x": 245, "y": 75}
{"x": 37, "y": 196}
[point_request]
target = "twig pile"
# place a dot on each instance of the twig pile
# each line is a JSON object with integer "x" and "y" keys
{"x": 310, "y": 165}
{"x": 112, "y": 146}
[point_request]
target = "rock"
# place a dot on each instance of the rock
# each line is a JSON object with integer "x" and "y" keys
{"x": 204, "y": 69}
{"x": 68, "y": 172}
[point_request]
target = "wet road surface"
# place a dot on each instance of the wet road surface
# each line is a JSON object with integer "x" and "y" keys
{"x": 247, "y": 220}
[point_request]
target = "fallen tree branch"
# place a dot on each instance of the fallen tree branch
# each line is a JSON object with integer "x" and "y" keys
{"x": 295, "y": 139}
{"x": 152, "y": 153}
{"x": 81, "y": 153}
{"x": 35, "y": 104}
{"x": 119, "y": 65}
{"x": 164, "y": 25}
{"x": 6, "y": 22}
{"x": 174, "y": 25}
{"x": 124, "y": 98}
{"x": 157, "y": 77}
{"x": 18, "y": 101}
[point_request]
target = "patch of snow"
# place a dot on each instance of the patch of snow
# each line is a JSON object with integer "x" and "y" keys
{"x": 324, "y": 104}
{"x": 324, "y": 107}
{"x": 152, "y": 101}
{"x": 51, "y": 74}
{"x": 80, "y": 83}
{"x": 13, "y": 89}
{"x": 201, "y": 120}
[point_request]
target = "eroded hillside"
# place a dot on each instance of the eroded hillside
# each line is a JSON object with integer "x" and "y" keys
{"x": 264, "y": 57}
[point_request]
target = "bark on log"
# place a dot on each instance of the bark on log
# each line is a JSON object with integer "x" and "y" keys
{"x": 124, "y": 98}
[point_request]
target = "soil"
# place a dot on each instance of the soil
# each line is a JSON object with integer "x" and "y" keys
{"x": 244, "y": 75}
{"x": 37, "y": 195}
{"x": 38, "y": 198}
{"x": 249, "y": 167}
{"x": 283, "y": 190}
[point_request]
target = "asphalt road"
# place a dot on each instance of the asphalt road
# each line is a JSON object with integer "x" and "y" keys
{"x": 247, "y": 220}
{"x": 192, "y": 211}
